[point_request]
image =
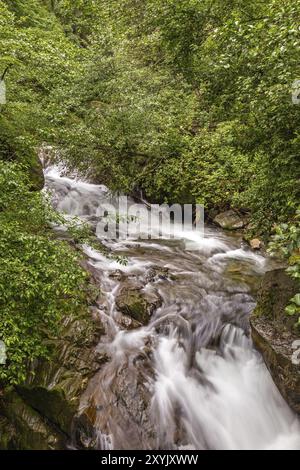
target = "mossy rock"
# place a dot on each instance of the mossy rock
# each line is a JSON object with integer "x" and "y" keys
{"x": 8, "y": 433}
{"x": 275, "y": 291}
{"x": 58, "y": 404}
{"x": 35, "y": 171}
{"x": 273, "y": 333}
{"x": 54, "y": 387}
{"x": 22, "y": 427}
{"x": 137, "y": 304}
{"x": 131, "y": 302}
{"x": 230, "y": 220}
{"x": 240, "y": 273}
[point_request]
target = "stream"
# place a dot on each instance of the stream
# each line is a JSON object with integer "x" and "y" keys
{"x": 189, "y": 378}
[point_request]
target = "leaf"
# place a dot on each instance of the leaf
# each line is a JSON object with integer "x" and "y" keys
{"x": 296, "y": 300}
{"x": 291, "y": 309}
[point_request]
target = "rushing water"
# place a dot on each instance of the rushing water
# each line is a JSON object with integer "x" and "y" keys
{"x": 190, "y": 378}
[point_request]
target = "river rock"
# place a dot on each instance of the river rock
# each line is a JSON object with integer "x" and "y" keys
{"x": 136, "y": 303}
{"x": 123, "y": 409}
{"x": 55, "y": 388}
{"x": 126, "y": 322}
{"x": 22, "y": 427}
{"x": 273, "y": 333}
{"x": 7, "y": 433}
{"x": 118, "y": 275}
{"x": 255, "y": 243}
{"x": 52, "y": 390}
{"x": 230, "y": 220}
{"x": 156, "y": 273}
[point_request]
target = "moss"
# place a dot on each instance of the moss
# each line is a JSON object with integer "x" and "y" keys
{"x": 7, "y": 434}
{"x": 273, "y": 333}
{"x": 276, "y": 290}
{"x": 22, "y": 427}
{"x": 132, "y": 303}
{"x": 54, "y": 387}
{"x": 10, "y": 151}
{"x": 56, "y": 404}
{"x": 35, "y": 171}
{"x": 39, "y": 413}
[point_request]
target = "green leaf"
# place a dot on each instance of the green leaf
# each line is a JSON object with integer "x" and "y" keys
{"x": 296, "y": 300}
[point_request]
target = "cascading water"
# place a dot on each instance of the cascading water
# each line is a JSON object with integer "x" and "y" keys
{"x": 191, "y": 378}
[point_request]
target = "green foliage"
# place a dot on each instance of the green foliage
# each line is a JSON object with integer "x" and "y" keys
{"x": 40, "y": 279}
{"x": 286, "y": 243}
{"x": 42, "y": 59}
{"x": 189, "y": 101}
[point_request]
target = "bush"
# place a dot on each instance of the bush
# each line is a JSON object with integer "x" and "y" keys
{"x": 286, "y": 243}
{"x": 40, "y": 279}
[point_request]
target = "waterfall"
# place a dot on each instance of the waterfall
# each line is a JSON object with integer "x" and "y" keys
{"x": 191, "y": 377}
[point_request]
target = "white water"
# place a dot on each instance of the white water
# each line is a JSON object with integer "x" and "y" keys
{"x": 205, "y": 385}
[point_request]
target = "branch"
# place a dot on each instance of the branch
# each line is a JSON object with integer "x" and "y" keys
{"x": 5, "y": 72}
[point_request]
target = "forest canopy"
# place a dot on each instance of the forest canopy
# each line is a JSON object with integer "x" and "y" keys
{"x": 189, "y": 101}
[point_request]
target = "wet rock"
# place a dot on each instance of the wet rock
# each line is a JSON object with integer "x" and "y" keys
{"x": 55, "y": 387}
{"x": 85, "y": 436}
{"x": 136, "y": 303}
{"x": 21, "y": 427}
{"x": 273, "y": 333}
{"x": 153, "y": 299}
{"x": 93, "y": 271}
{"x": 239, "y": 272}
{"x": 127, "y": 323}
{"x": 123, "y": 409}
{"x": 230, "y": 220}
{"x": 156, "y": 273}
{"x": 8, "y": 433}
{"x": 118, "y": 275}
{"x": 39, "y": 414}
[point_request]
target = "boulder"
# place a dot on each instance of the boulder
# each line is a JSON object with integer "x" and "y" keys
{"x": 54, "y": 388}
{"x": 274, "y": 336}
{"x": 21, "y": 427}
{"x": 123, "y": 409}
{"x": 230, "y": 220}
{"x": 137, "y": 304}
{"x": 7, "y": 432}
{"x": 255, "y": 244}
{"x": 157, "y": 273}
{"x": 39, "y": 413}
